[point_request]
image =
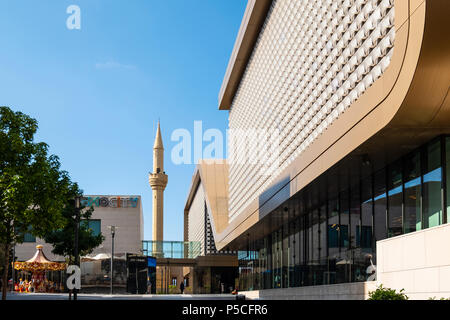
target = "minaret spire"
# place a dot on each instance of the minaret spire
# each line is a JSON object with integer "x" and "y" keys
{"x": 158, "y": 139}
{"x": 158, "y": 181}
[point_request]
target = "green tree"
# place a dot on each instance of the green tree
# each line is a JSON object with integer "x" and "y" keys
{"x": 63, "y": 239}
{"x": 382, "y": 293}
{"x": 32, "y": 185}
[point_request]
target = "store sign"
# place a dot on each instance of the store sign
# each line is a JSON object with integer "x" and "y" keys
{"x": 110, "y": 202}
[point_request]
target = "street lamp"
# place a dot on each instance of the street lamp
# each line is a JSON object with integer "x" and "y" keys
{"x": 113, "y": 233}
{"x": 76, "y": 217}
{"x": 77, "y": 226}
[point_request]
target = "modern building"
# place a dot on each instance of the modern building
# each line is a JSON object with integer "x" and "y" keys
{"x": 206, "y": 215}
{"x": 339, "y": 157}
{"x": 124, "y": 212}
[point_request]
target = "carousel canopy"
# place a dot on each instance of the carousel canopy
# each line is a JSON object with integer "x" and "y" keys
{"x": 39, "y": 262}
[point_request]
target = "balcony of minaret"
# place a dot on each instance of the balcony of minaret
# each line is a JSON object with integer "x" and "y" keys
{"x": 158, "y": 181}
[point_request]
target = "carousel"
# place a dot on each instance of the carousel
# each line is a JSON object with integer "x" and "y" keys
{"x": 39, "y": 274}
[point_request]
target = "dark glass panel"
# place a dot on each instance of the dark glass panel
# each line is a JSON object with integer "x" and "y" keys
{"x": 309, "y": 249}
{"x": 333, "y": 239}
{"x": 323, "y": 243}
{"x": 380, "y": 205}
{"x": 285, "y": 256}
{"x": 366, "y": 214}
{"x": 395, "y": 194}
{"x": 292, "y": 253}
{"x": 344, "y": 220}
{"x": 447, "y": 174}
{"x": 302, "y": 247}
{"x": 432, "y": 201}
{"x": 268, "y": 275}
{"x": 298, "y": 252}
{"x": 355, "y": 233}
{"x": 316, "y": 279}
{"x": 355, "y": 215}
{"x": 413, "y": 193}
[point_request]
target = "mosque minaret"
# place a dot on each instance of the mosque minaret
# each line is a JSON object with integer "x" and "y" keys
{"x": 158, "y": 182}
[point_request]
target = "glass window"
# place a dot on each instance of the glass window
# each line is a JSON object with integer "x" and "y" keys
{"x": 344, "y": 220}
{"x": 28, "y": 236}
{"x": 286, "y": 256}
{"x": 323, "y": 232}
{"x": 333, "y": 239}
{"x": 301, "y": 251}
{"x": 355, "y": 233}
{"x": 395, "y": 201}
{"x": 380, "y": 205}
{"x": 276, "y": 257}
{"x": 94, "y": 225}
{"x": 413, "y": 193}
{"x": 447, "y": 160}
{"x": 315, "y": 235}
{"x": 432, "y": 202}
{"x": 366, "y": 213}
{"x": 323, "y": 243}
{"x": 333, "y": 226}
{"x": 309, "y": 248}
{"x": 355, "y": 215}
{"x": 316, "y": 280}
{"x": 292, "y": 253}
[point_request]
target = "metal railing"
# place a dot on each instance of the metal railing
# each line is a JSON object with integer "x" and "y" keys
{"x": 171, "y": 249}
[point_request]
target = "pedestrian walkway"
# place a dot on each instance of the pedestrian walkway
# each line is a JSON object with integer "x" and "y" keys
{"x": 65, "y": 296}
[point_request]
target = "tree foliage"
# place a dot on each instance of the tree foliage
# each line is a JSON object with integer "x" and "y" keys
{"x": 33, "y": 188}
{"x": 382, "y": 293}
{"x": 63, "y": 240}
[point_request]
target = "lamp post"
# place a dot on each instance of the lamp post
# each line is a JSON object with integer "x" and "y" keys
{"x": 77, "y": 226}
{"x": 12, "y": 270}
{"x": 113, "y": 233}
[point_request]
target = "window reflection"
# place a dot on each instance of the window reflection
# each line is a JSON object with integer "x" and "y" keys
{"x": 329, "y": 237}
{"x": 413, "y": 194}
{"x": 395, "y": 201}
{"x": 380, "y": 205}
{"x": 432, "y": 210}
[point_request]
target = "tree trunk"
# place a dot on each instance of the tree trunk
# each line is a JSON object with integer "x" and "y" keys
{"x": 5, "y": 272}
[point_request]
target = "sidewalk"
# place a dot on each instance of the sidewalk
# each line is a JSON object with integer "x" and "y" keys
{"x": 65, "y": 296}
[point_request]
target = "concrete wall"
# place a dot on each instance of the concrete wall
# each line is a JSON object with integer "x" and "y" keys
{"x": 344, "y": 291}
{"x": 418, "y": 262}
{"x": 128, "y": 236}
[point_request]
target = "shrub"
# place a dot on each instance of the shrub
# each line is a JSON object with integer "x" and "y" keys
{"x": 387, "y": 294}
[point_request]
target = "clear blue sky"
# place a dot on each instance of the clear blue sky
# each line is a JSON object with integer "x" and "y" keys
{"x": 97, "y": 92}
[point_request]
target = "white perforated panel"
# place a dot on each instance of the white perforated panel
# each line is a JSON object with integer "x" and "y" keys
{"x": 312, "y": 60}
{"x": 196, "y": 218}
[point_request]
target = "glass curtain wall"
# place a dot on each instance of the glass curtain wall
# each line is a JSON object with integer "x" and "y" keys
{"x": 329, "y": 236}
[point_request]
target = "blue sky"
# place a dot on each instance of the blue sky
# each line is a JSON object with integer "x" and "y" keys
{"x": 97, "y": 92}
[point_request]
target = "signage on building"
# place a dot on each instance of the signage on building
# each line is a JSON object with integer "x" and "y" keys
{"x": 111, "y": 202}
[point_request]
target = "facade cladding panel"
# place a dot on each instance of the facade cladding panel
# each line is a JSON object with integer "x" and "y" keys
{"x": 196, "y": 216}
{"x": 311, "y": 61}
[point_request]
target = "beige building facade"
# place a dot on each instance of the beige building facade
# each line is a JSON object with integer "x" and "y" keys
{"x": 123, "y": 211}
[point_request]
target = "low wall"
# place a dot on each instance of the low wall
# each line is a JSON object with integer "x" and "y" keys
{"x": 418, "y": 262}
{"x": 344, "y": 291}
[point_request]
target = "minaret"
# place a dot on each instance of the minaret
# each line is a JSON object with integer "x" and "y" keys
{"x": 158, "y": 182}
